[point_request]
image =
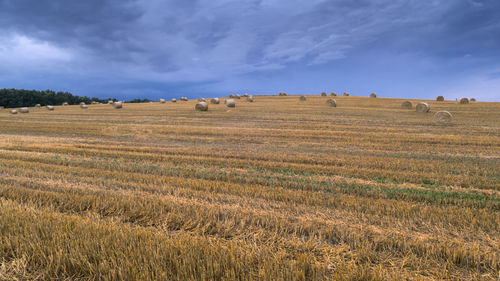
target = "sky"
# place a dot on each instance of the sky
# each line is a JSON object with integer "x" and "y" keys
{"x": 154, "y": 49}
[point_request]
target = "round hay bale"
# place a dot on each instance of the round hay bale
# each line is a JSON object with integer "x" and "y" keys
{"x": 331, "y": 102}
{"x": 443, "y": 117}
{"x": 250, "y": 99}
{"x": 163, "y": 101}
{"x": 82, "y": 103}
{"x": 302, "y": 98}
{"x": 201, "y": 106}
{"x": 202, "y": 99}
{"x": 94, "y": 102}
{"x": 215, "y": 101}
{"x": 463, "y": 101}
{"x": 184, "y": 99}
{"x": 38, "y": 105}
{"x": 323, "y": 94}
{"x": 237, "y": 97}
{"x": 65, "y": 103}
{"x": 440, "y": 98}
{"x": 13, "y": 111}
{"x": 110, "y": 102}
{"x": 473, "y": 100}
{"x": 373, "y": 95}
{"x": 84, "y": 106}
{"x": 333, "y": 94}
{"x": 24, "y": 110}
{"x": 245, "y": 95}
{"x": 231, "y": 96}
{"x": 230, "y": 103}
{"x": 50, "y": 107}
{"x": 407, "y": 105}
{"x": 173, "y": 100}
{"x": 423, "y": 107}
{"x": 118, "y": 105}
{"x": 346, "y": 94}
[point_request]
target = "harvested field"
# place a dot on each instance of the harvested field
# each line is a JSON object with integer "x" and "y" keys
{"x": 277, "y": 189}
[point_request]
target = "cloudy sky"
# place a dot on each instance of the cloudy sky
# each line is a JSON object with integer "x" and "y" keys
{"x": 165, "y": 48}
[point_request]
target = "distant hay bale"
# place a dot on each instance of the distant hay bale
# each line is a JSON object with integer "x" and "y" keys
{"x": 184, "y": 99}
{"x": 472, "y": 99}
{"x": 373, "y": 95}
{"x": 50, "y": 107}
{"x": 463, "y": 101}
{"x": 331, "y": 102}
{"x": 24, "y": 110}
{"x": 230, "y": 103}
{"x": 440, "y": 98}
{"x": 202, "y": 99}
{"x": 250, "y": 99}
{"x": 110, "y": 102}
{"x": 201, "y": 106}
{"x": 423, "y": 107}
{"x": 323, "y": 94}
{"x": 443, "y": 117}
{"x": 38, "y": 105}
{"x": 82, "y": 103}
{"x": 407, "y": 105}
{"x": 173, "y": 100}
{"x": 65, "y": 103}
{"x": 13, "y": 111}
{"x": 333, "y": 94}
{"x": 245, "y": 95}
{"x": 302, "y": 98}
{"x": 231, "y": 96}
{"x": 163, "y": 101}
{"x": 84, "y": 106}
{"x": 215, "y": 101}
{"x": 94, "y": 102}
{"x": 346, "y": 94}
{"x": 237, "y": 97}
{"x": 282, "y": 94}
{"x": 118, "y": 105}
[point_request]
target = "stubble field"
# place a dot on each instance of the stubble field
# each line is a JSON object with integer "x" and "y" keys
{"x": 277, "y": 189}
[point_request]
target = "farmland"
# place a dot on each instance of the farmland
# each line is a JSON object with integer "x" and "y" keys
{"x": 278, "y": 189}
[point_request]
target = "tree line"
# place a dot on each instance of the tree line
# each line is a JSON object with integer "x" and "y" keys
{"x": 25, "y": 98}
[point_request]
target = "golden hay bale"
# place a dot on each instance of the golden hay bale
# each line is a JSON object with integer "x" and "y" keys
{"x": 231, "y": 96}
{"x": 215, "y": 101}
{"x": 13, "y": 111}
{"x": 237, "y": 97}
{"x": 407, "y": 105}
{"x": 50, "y": 107}
{"x": 463, "y": 101}
{"x": 331, "y": 102}
{"x": 472, "y": 99}
{"x": 250, "y": 99}
{"x": 323, "y": 94}
{"x": 201, "y": 106}
{"x": 202, "y": 99}
{"x": 302, "y": 98}
{"x": 283, "y": 94}
{"x": 440, "y": 98}
{"x": 333, "y": 94}
{"x": 184, "y": 99}
{"x": 81, "y": 103}
{"x": 443, "y": 117}
{"x": 423, "y": 107}
{"x": 84, "y": 106}
{"x": 94, "y": 102}
{"x": 118, "y": 105}
{"x": 110, "y": 102}
{"x": 163, "y": 101}
{"x": 346, "y": 94}
{"x": 230, "y": 103}
{"x": 245, "y": 95}
{"x": 38, "y": 105}
{"x": 373, "y": 95}
{"x": 173, "y": 100}
{"x": 65, "y": 103}
{"x": 24, "y": 110}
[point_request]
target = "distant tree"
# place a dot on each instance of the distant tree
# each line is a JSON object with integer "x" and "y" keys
{"x": 24, "y": 98}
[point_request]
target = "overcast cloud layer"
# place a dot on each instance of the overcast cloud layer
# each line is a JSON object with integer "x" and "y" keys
{"x": 151, "y": 48}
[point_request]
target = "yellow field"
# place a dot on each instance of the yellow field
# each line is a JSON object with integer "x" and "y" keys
{"x": 277, "y": 189}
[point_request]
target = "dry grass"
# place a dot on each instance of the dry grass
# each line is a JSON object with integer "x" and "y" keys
{"x": 273, "y": 190}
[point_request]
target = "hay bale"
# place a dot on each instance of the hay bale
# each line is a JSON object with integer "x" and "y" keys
{"x": 472, "y": 99}
{"x": 440, "y": 98}
{"x": 24, "y": 110}
{"x": 202, "y": 99}
{"x": 443, "y": 117}
{"x": 173, "y": 100}
{"x": 423, "y": 107}
{"x": 333, "y": 94}
{"x": 302, "y": 98}
{"x": 215, "y": 101}
{"x": 331, "y": 102}
{"x": 13, "y": 111}
{"x": 50, "y": 107}
{"x": 163, "y": 101}
{"x": 407, "y": 105}
{"x": 94, "y": 102}
{"x": 373, "y": 95}
{"x": 118, "y": 104}
{"x": 237, "y": 97}
{"x": 231, "y": 96}
{"x": 323, "y": 94}
{"x": 201, "y": 106}
{"x": 245, "y": 95}
{"x": 282, "y": 94}
{"x": 82, "y": 103}
{"x": 463, "y": 101}
{"x": 84, "y": 106}
{"x": 65, "y": 103}
{"x": 184, "y": 99}
{"x": 346, "y": 94}
{"x": 38, "y": 105}
{"x": 110, "y": 102}
{"x": 250, "y": 99}
{"x": 230, "y": 103}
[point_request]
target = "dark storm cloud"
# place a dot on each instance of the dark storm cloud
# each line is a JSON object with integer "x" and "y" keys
{"x": 104, "y": 43}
